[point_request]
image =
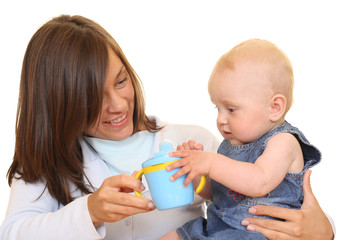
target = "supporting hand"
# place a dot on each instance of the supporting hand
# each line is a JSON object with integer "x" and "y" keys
{"x": 310, "y": 222}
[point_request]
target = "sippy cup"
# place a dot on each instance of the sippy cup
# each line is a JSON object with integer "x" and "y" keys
{"x": 165, "y": 193}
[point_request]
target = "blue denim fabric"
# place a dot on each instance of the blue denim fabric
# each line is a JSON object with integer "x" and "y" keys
{"x": 225, "y": 213}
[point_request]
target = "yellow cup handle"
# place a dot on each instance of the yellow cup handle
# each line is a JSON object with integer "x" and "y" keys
{"x": 138, "y": 176}
{"x": 163, "y": 166}
{"x": 201, "y": 184}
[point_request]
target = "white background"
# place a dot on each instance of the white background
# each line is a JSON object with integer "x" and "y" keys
{"x": 173, "y": 46}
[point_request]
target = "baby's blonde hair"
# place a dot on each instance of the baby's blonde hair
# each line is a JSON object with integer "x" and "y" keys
{"x": 263, "y": 52}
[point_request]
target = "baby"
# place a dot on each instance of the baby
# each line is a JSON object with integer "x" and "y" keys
{"x": 262, "y": 159}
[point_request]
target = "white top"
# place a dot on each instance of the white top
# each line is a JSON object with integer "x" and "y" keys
{"x": 45, "y": 218}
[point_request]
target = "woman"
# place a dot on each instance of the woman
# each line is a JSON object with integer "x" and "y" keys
{"x": 81, "y": 132}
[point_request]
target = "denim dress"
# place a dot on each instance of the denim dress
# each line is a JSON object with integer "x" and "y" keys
{"x": 228, "y": 208}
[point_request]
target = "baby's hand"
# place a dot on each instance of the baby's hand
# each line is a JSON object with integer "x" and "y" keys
{"x": 190, "y": 145}
{"x": 192, "y": 162}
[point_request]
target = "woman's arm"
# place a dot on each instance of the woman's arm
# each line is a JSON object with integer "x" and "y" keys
{"x": 34, "y": 214}
{"x": 30, "y": 216}
{"x": 310, "y": 222}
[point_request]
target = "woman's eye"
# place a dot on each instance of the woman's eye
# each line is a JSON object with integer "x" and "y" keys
{"x": 122, "y": 82}
{"x": 231, "y": 109}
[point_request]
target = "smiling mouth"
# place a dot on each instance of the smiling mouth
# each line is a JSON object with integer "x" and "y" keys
{"x": 117, "y": 120}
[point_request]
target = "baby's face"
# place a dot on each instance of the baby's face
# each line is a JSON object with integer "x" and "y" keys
{"x": 243, "y": 99}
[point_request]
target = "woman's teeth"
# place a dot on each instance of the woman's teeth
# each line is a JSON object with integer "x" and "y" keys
{"x": 118, "y": 119}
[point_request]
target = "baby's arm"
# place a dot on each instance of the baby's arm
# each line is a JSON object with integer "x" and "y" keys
{"x": 282, "y": 155}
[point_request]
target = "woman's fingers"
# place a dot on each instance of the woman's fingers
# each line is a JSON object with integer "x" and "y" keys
{"x": 309, "y": 197}
{"x": 118, "y": 201}
{"x": 125, "y": 199}
{"x": 275, "y": 229}
{"x": 285, "y": 213}
{"x": 105, "y": 209}
{"x": 134, "y": 173}
{"x": 273, "y": 211}
{"x": 309, "y": 222}
{"x": 272, "y": 235}
{"x": 120, "y": 182}
{"x": 110, "y": 200}
{"x": 119, "y": 212}
{"x": 269, "y": 227}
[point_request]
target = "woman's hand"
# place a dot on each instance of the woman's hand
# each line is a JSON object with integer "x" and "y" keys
{"x": 309, "y": 222}
{"x": 112, "y": 201}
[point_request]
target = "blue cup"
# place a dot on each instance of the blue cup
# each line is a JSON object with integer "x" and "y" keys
{"x": 166, "y": 194}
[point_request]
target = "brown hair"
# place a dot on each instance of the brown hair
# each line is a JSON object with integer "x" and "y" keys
{"x": 61, "y": 92}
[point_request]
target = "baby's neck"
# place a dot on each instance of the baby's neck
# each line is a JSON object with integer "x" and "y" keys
{"x": 276, "y": 124}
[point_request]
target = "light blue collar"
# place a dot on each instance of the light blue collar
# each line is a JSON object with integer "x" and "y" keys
{"x": 124, "y": 156}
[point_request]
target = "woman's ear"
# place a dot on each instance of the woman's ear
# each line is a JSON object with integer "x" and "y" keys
{"x": 277, "y": 107}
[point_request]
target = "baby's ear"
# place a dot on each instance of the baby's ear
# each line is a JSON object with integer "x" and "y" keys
{"x": 277, "y": 107}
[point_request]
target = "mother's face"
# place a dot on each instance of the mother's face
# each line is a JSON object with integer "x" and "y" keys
{"x": 116, "y": 119}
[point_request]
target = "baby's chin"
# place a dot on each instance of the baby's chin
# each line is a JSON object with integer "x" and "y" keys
{"x": 235, "y": 142}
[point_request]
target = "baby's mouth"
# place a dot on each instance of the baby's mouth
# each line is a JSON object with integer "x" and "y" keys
{"x": 226, "y": 132}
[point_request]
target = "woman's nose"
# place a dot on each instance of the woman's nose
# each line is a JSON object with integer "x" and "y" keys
{"x": 114, "y": 102}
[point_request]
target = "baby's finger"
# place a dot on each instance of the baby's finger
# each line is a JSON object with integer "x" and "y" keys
{"x": 186, "y": 146}
{"x": 188, "y": 179}
{"x": 199, "y": 146}
{"x": 180, "y": 147}
{"x": 174, "y": 165}
{"x": 180, "y": 154}
{"x": 191, "y": 144}
{"x": 179, "y": 173}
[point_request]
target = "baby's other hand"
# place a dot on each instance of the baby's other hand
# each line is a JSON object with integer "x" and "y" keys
{"x": 190, "y": 145}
